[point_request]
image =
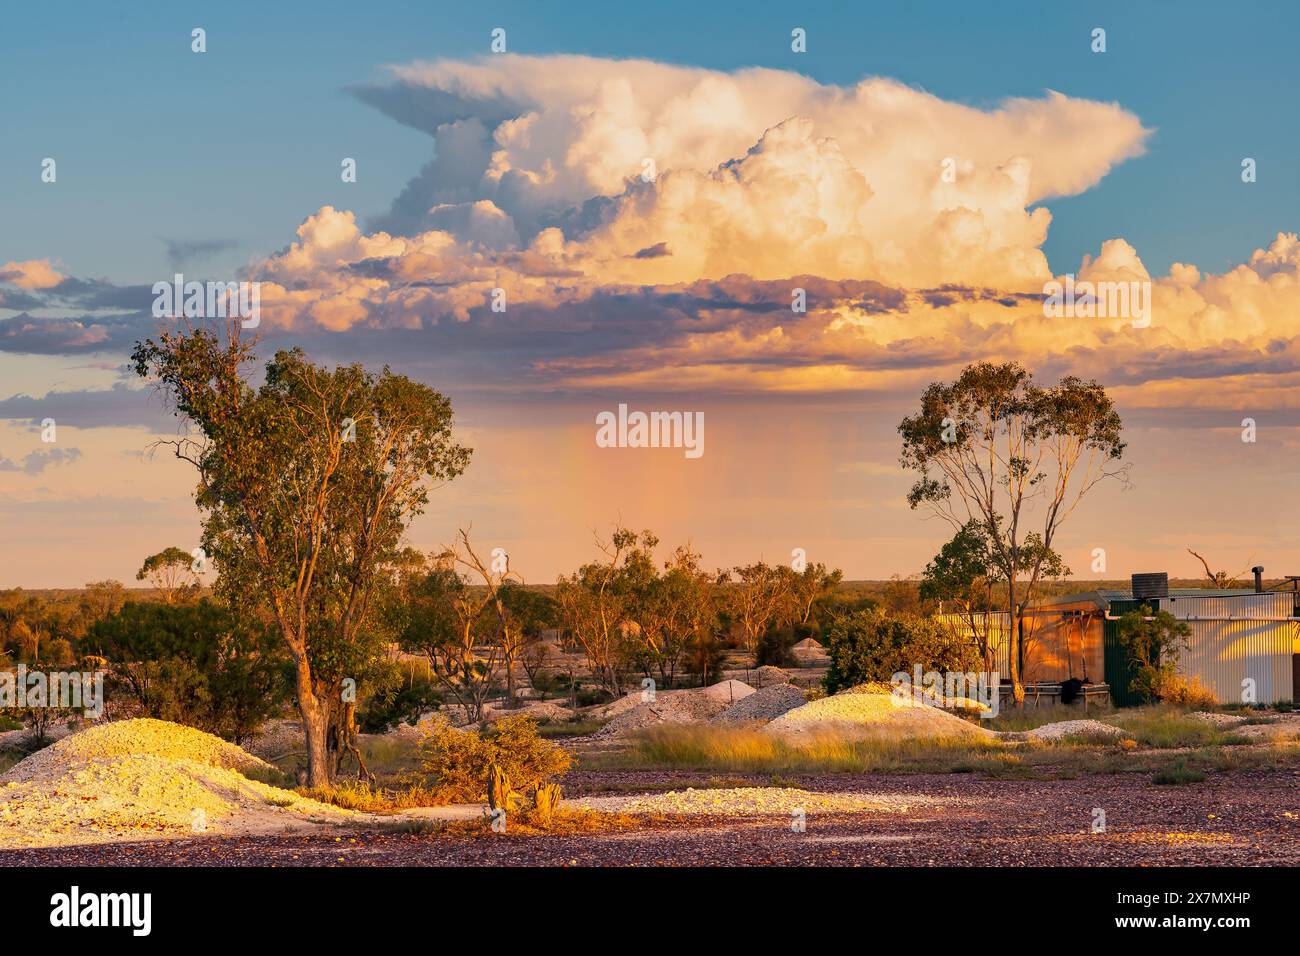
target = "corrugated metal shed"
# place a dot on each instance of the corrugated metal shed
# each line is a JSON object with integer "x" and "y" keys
{"x": 1236, "y": 639}
{"x": 1236, "y": 634}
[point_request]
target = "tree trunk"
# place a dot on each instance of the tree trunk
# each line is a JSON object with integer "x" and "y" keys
{"x": 315, "y": 724}
{"x": 1014, "y": 640}
{"x": 1017, "y": 658}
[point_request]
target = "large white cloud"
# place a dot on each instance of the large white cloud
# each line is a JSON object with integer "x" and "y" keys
{"x": 764, "y": 181}
{"x": 762, "y": 171}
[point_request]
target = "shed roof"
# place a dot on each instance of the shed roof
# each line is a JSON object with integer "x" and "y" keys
{"x": 1102, "y": 597}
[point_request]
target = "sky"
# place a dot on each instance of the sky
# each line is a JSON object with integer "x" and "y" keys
{"x": 772, "y": 170}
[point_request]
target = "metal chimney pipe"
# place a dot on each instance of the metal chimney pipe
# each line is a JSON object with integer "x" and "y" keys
{"x": 1259, "y": 578}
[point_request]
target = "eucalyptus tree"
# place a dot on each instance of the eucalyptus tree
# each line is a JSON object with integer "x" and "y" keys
{"x": 995, "y": 448}
{"x": 307, "y": 483}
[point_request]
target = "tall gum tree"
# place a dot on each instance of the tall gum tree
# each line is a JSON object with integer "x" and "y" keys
{"x": 307, "y": 483}
{"x": 995, "y": 448}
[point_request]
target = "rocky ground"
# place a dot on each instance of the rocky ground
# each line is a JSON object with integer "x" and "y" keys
{"x": 1242, "y": 818}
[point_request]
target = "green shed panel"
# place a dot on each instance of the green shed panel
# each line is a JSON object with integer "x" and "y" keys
{"x": 1119, "y": 671}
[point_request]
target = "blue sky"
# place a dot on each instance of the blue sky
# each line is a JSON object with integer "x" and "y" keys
{"x": 674, "y": 295}
{"x": 241, "y": 143}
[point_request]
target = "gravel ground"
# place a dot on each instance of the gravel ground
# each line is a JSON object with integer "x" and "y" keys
{"x": 1243, "y": 818}
{"x": 757, "y": 801}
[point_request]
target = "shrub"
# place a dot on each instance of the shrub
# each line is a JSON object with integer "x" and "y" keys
{"x": 194, "y": 664}
{"x": 1153, "y": 642}
{"x": 1178, "y": 690}
{"x": 402, "y": 701}
{"x": 776, "y": 645}
{"x": 704, "y": 658}
{"x": 456, "y": 763}
{"x": 873, "y": 645}
{"x": 1177, "y": 775}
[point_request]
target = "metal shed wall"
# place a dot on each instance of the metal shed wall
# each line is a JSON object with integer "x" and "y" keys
{"x": 1119, "y": 672}
{"x": 1064, "y": 641}
{"x": 998, "y": 624}
{"x": 1058, "y": 644}
{"x": 1255, "y": 644}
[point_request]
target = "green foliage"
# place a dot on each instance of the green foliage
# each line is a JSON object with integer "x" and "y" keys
{"x": 307, "y": 482}
{"x": 1153, "y": 643}
{"x": 873, "y": 646}
{"x": 194, "y": 664}
{"x": 705, "y": 658}
{"x": 776, "y": 645}
{"x": 841, "y": 603}
{"x": 457, "y": 763}
{"x": 171, "y": 572}
{"x": 402, "y": 698}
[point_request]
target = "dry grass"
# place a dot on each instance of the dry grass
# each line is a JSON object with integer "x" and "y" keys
{"x": 722, "y": 749}
{"x": 749, "y": 750}
{"x": 1009, "y": 719}
{"x": 364, "y": 798}
{"x": 578, "y": 727}
{"x": 1165, "y": 728}
{"x": 391, "y": 758}
{"x": 1161, "y": 726}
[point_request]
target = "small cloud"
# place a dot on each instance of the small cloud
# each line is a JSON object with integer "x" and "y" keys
{"x": 181, "y": 252}
{"x": 37, "y": 461}
{"x": 658, "y": 250}
{"x": 31, "y": 274}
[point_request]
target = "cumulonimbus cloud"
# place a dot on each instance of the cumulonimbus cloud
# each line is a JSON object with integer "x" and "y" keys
{"x": 555, "y": 176}
{"x": 649, "y": 223}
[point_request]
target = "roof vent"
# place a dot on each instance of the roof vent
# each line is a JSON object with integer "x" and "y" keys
{"x": 1155, "y": 585}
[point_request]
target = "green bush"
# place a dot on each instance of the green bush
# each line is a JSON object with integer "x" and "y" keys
{"x": 776, "y": 645}
{"x": 194, "y": 664}
{"x": 403, "y": 700}
{"x": 455, "y": 763}
{"x": 873, "y": 645}
{"x": 1153, "y": 641}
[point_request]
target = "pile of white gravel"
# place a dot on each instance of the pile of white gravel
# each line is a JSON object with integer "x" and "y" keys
{"x": 1075, "y": 728}
{"x": 869, "y": 711}
{"x": 144, "y": 779}
{"x": 763, "y": 705}
{"x": 690, "y": 706}
{"x": 1218, "y": 720}
{"x": 457, "y": 715}
{"x": 758, "y": 801}
{"x": 767, "y": 674}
